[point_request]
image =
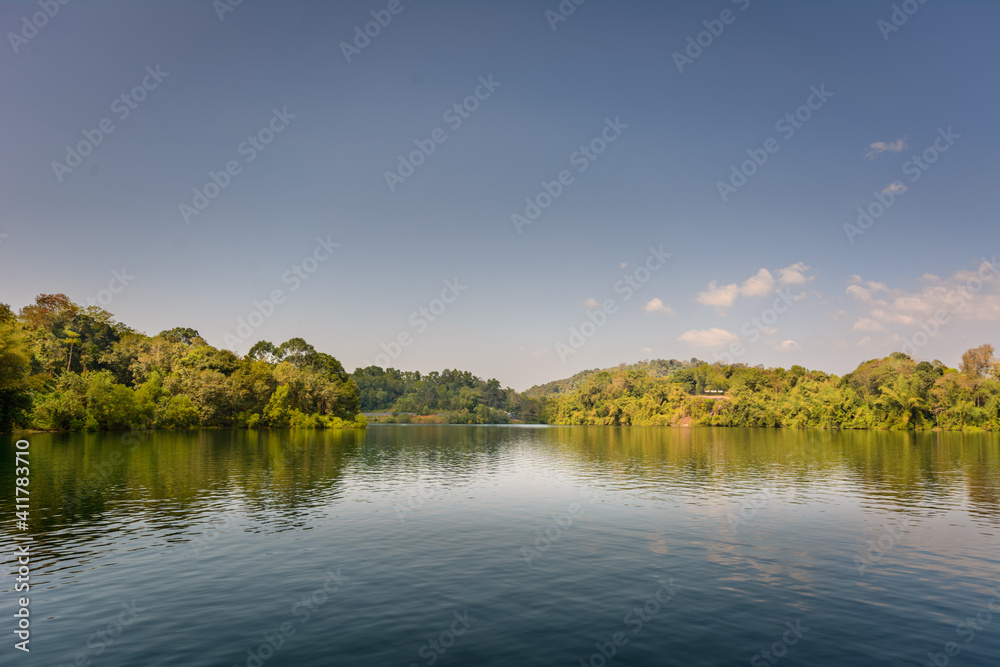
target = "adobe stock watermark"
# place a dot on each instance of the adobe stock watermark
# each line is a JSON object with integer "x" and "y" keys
{"x": 105, "y": 637}
{"x": 302, "y": 610}
{"x": 455, "y": 116}
{"x": 562, "y": 12}
{"x": 779, "y": 649}
{"x": 416, "y": 501}
{"x": 714, "y": 28}
{"x": 31, "y": 25}
{"x": 634, "y": 621}
{"x": 901, "y": 13}
{"x": 967, "y": 629}
{"x": 249, "y": 149}
{"x": 295, "y": 276}
{"x": 433, "y": 649}
{"x": 749, "y": 508}
{"x": 223, "y": 7}
{"x": 914, "y": 168}
{"x": 119, "y": 281}
{"x": 753, "y": 328}
{"x": 581, "y": 158}
{"x": 122, "y": 106}
{"x": 419, "y": 320}
{"x": 627, "y": 287}
{"x": 786, "y": 126}
{"x": 211, "y": 533}
{"x": 930, "y": 327}
{"x": 551, "y": 533}
{"x": 381, "y": 18}
{"x": 881, "y": 545}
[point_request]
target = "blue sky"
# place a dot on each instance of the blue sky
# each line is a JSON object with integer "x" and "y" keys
{"x": 517, "y": 291}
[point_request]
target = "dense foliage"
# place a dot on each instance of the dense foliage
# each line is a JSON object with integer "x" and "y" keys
{"x": 457, "y": 397}
{"x": 653, "y": 368}
{"x": 63, "y": 367}
{"x": 895, "y": 393}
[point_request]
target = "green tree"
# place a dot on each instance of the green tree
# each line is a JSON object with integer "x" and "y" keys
{"x": 15, "y": 367}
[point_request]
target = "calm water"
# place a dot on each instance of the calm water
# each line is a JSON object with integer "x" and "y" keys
{"x": 462, "y": 545}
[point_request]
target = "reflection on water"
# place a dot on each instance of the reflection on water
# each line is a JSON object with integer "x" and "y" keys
{"x": 885, "y": 541}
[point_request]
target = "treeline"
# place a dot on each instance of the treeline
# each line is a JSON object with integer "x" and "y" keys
{"x": 653, "y": 368}
{"x": 68, "y": 368}
{"x": 452, "y": 396}
{"x": 895, "y": 393}
{"x": 65, "y": 367}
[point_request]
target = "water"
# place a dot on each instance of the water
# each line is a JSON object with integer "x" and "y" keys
{"x": 490, "y": 545}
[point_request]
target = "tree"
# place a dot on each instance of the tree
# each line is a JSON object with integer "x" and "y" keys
{"x": 295, "y": 351}
{"x": 15, "y": 366}
{"x": 72, "y": 338}
{"x": 110, "y": 406}
{"x": 51, "y": 312}
{"x": 978, "y": 362}
{"x": 977, "y": 365}
{"x": 262, "y": 351}
{"x": 184, "y": 335}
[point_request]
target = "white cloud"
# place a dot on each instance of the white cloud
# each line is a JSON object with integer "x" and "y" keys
{"x": 882, "y": 146}
{"x": 868, "y": 324}
{"x": 794, "y": 274}
{"x": 720, "y": 297}
{"x": 788, "y": 345}
{"x": 647, "y": 350}
{"x": 893, "y": 318}
{"x": 760, "y": 284}
{"x": 713, "y": 337}
{"x": 965, "y": 296}
{"x": 657, "y": 306}
{"x": 591, "y": 303}
{"x": 896, "y": 187}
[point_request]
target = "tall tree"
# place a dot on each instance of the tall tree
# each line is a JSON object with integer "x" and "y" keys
{"x": 978, "y": 362}
{"x": 15, "y": 366}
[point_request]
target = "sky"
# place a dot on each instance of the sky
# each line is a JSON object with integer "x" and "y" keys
{"x": 519, "y": 189}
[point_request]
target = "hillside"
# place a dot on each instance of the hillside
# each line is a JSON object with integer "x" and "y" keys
{"x": 656, "y": 368}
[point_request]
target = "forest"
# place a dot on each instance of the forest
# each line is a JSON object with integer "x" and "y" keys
{"x": 893, "y": 393}
{"x": 68, "y": 368}
{"x": 452, "y": 396}
{"x": 64, "y": 367}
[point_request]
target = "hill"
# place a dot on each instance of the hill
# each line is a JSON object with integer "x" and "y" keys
{"x": 656, "y": 368}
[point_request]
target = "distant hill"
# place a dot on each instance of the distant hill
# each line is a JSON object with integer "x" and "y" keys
{"x": 654, "y": 368}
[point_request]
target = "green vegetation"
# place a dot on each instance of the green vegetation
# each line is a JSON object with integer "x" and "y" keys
{"x": 63, "y": 367}
{"x": 655, "y": 368}
{"x": 895, "y": 393}
{"x": 67, "y": 368}
{"x": 454, "y": 397}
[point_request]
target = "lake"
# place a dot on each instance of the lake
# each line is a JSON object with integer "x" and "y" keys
{"x": 518, "y": 545}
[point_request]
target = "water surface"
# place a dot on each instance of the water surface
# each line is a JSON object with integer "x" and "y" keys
{"x": 492, "y": 545}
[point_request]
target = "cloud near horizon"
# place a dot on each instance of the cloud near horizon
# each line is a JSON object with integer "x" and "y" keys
{"x": 713, "y": 337}
{"x": 760, "y": 284}
{"x": 967, "y": 295}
